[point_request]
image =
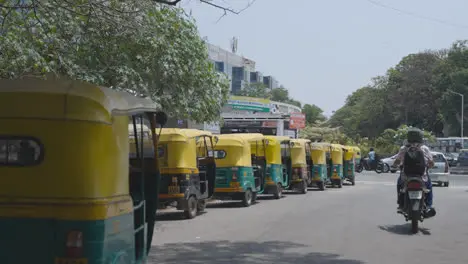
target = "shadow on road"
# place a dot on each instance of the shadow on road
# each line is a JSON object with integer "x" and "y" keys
{"x": 313, "y": 189}
{"x": 268, "y": 197}
{"x": 226, "y": 252}
{"x": 403, "y": 229}
{"x": 173, "y": 216}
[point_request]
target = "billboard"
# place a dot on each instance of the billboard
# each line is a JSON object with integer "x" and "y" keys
{"x": 245, "y": 103}
{"x": 296, "y": 121}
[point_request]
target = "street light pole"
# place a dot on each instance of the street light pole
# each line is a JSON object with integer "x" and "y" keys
{"x": 462, "y": 112}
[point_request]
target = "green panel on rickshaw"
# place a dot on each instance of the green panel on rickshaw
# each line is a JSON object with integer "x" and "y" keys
{"x": 319, "y": 173}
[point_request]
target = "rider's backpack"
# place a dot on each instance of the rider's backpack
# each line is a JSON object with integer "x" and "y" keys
{"x": 414, "y": 162}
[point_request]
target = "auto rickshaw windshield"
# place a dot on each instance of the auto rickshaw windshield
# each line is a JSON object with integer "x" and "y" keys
{"x": 232, "y": 151}
{"x": 180, "y": 148}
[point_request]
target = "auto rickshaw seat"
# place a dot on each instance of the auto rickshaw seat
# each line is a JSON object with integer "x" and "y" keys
{"x": 207, "y": 174}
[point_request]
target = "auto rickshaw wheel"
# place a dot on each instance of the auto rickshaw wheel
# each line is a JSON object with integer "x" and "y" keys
{"x": 254, "y": 197}
{"x": 340, "y": 183}
{"x": 278, "y": 192}
{"x": 248, "y": 197}
{"x": 353, "y": 182}
{"x": 322, "y": 186}
{"x": 201, "y": 205}
{"x": 191, "y": 209}
{"x": 304, "y": 187}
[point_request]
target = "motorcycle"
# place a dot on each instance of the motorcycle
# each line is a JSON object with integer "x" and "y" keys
{"x": 414, "y": 208}
{"x": 364, "y": 165}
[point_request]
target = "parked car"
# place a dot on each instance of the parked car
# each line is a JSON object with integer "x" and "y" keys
{"x": 462, "y": 159}
{"x": 452, "y": 158}
{"x": 440, "y": 172}
{"x": 388, "y": 162}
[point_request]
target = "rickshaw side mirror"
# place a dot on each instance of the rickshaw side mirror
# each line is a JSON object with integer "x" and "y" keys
{"x": 161, "y": 118}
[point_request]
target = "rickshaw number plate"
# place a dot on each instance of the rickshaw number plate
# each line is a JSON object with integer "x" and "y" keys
{"x": 173, "y": 189}
{"x": 71, "y": 261}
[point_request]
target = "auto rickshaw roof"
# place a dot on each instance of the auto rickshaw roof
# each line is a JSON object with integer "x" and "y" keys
{"x": 277, "y": 139}
{"x": 319, "y": 146}
{"x": 113, "y": 101}
{"x": 181, "y": 134}
{"x": 249, "y": 136}
{"x": 348, "y": 148}
{"x": 234, "y": 140}
{"x": 337, "y": 147}
{"x": 356, "y": 149}
{"x": 299, "y": 142}
{"x": 332, "y": 147}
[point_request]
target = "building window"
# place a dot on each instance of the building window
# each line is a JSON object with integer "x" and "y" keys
{"x": 219, "y": 66}
{"x": 20, "y": 151}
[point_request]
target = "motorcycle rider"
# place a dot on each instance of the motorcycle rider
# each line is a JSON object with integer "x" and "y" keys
{"x": 414, "y": 139}
{"x": 371, "y": 155}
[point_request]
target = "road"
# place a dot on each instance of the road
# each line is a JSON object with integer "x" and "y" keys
{"x": 352, "y": 225}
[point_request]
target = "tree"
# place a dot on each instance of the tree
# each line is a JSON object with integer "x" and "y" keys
{"x": 313, "y": 113}
{"x": 409, "y": 93}
{"x": 226, "y": 9}
{"x": 411, "y": 90}
{"x": 453, "y": 75}
{"x": 258, "y": 90}
{"x": 137, "y": 46}
{"x": 281, "y": 94}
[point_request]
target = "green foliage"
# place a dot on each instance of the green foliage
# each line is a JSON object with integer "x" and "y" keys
{"x": 413, "y": 92}
{"x": 137, "y": 46}
{"x": 258, "y": 90}
{"x": 313, "y": 114}
{"x": 281, "y": 94}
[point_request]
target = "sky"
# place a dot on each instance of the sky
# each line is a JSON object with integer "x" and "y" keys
{"x": 322, "y": 51}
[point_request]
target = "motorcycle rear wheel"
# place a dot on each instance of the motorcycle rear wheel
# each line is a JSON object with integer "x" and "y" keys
{"x": 379, "y": 168}
{"x": 414, "y": 225}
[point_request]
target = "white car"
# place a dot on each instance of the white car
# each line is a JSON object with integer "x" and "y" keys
{"x": 388, "y": 162}
{"x": 440, "y": 172}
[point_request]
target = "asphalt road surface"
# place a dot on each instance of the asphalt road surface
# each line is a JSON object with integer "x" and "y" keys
{"x": 352, "y": 225}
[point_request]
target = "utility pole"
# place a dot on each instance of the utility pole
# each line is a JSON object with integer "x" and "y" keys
{"x": 462, "y": 115}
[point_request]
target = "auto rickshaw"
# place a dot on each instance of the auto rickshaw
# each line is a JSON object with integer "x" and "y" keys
{"x": 319, "y": 171}
{"x": 67, "y": 192}
{"x": 357, "y": 157}
{"x": 279, "y": 165}
{"x": 335, "y": 163}
{"x": 300, "y": 158}
{"x": 239, "y": 174}
{"x": 348, "y": 164}
{"x": 187, "y": 169}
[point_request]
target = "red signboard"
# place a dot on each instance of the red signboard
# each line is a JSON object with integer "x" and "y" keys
{"x": 296, "y": 121}
{"x": 270, "y": 124}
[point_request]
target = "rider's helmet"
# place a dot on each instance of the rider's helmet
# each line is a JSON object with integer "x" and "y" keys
{"x": 371, "y": 149}
{"x": 415, "y": 135}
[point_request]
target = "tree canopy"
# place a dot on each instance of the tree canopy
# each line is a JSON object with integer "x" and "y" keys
{"x": 414, "y": 92}
{"x": 139, "y": 46}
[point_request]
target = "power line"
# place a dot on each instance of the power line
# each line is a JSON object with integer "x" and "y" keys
{"x": 432, "y": 19}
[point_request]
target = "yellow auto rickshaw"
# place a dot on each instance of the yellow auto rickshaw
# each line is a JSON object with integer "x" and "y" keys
{"x": 67, "y": 192}
{"x": 320, "y": 176}
{"x": 187, "y": 169}
{"x": 279, "y": 165}
{"x": 348, "y": 164}
{"x": 300, "y": 158}
{"x": 239, "y": 172}
{"x": 357, "y": 159}
{"x": 335, "y": 163}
